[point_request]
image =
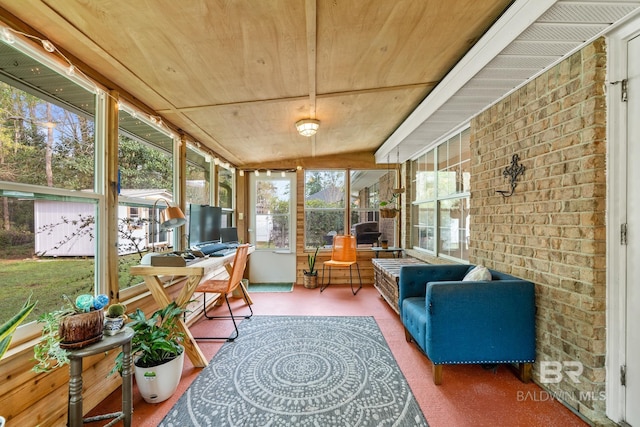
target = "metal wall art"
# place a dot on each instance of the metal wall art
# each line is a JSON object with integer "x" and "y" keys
{"x": 512, "y": 172}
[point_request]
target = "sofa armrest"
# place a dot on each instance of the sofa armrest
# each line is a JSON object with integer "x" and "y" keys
{"x": 484, "y": 321}
{"x": 413, "y": 279}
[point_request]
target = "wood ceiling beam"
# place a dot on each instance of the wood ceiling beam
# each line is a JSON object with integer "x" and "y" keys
{"x": 300, "y": 98}
{"x": 356, "y": 160}
{"x": 311, "y": 11}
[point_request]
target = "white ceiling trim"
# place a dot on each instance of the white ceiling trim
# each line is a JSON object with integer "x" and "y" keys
{"x": 530, "y": 37}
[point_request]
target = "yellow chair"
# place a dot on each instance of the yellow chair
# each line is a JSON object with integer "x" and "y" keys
{"x": 225, "y": 287}
{"x": 343, "y": 255}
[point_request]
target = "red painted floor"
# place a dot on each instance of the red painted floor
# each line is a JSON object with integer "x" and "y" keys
{"x": 468, "y": 396}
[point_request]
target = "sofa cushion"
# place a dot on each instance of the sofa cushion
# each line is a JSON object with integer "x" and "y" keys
{"x": 479, "y": 272}
{"x": 414, "y": 319}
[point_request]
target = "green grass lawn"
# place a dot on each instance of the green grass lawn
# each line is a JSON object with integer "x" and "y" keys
{"x": 48, "y": 279}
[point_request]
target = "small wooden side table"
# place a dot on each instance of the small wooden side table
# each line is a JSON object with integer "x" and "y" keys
{"x": 121, "y": 339}
{"x": 396, "y": 252}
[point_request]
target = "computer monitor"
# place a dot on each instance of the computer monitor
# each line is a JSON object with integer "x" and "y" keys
{"x": 204, "y": 224}
{"x": 229, "y": 235}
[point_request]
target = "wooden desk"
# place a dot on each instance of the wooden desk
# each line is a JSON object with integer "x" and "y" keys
{"x": 194, "y": 273}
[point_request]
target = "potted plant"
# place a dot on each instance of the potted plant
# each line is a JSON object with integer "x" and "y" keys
{"x": 384, "y": 243}
{"x": 158, "y": 354}
{"x": 8, "y": 328}
{"x": 311, "y": 275}
{"x": 74, "y": 325}
{"x": 114, "y": 318}
{"x": 390, "y": 208}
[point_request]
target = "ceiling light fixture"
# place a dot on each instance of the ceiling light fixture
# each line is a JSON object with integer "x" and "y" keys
{"x": 307, "y": 127}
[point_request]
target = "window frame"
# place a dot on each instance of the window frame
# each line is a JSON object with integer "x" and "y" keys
{"x": 437, "y": 197}
{"x": 349, "y": 210}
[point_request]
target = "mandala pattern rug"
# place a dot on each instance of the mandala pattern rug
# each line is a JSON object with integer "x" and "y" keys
{"x": 300, "y": 371}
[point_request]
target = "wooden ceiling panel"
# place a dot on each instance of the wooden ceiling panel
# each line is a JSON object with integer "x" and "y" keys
{"x": 235, "y": 75}
{"x": 349, "y": 121}
{"x": 254, "y": 130}
{"x": 369, "y": 44}
{"x": 201, "y": 52}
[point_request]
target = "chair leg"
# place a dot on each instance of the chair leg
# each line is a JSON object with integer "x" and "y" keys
{"x": 219, "y": 303}
{"x": 437, "y": 374}
{"x": 231, "y": 316}
{"x": 246, "y": 298}
{"x": 407, "y": 335}
{"x": 359, "y": 278}
{"x": 524, "y": 372}
{"x": 323, "y": 286}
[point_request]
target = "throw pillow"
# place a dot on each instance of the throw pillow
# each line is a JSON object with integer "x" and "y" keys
{"x": 479, "y": 272}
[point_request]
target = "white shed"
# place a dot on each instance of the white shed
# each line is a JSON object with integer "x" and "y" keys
{"x": 67, "y": 228}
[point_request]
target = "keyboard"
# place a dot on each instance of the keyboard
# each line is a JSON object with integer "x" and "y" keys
{"x": 212, "y": 248}
{"x": 223, "y": 252}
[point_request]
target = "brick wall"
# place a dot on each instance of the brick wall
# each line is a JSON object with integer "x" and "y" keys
{"x": 552, "y": 230}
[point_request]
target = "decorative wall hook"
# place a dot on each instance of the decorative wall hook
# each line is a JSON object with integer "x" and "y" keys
{"x": 512, "y": 172}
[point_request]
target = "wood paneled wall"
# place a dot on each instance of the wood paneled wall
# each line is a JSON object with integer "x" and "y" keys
{"x": 30, "y": 399}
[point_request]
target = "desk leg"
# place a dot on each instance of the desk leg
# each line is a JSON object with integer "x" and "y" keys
{"x": 127, "y": 384}
{"x": 75, "y": 393}
{"x": 162, "y": 299}
{"x": 191, "y": 347}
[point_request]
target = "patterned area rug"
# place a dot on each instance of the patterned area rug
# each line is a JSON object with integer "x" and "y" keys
{"x": 300, "y": 371}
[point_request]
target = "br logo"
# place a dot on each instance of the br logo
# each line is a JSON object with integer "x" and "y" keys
{"x": 553, "y": 371}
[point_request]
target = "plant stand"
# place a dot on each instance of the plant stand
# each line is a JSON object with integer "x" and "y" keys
{"x": 75, "y": 379}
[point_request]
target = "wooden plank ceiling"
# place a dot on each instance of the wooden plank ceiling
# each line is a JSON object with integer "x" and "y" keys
{"x": 235, "y": 75}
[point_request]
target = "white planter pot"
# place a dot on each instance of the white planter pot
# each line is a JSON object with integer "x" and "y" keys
{"x": 158, "y": 383}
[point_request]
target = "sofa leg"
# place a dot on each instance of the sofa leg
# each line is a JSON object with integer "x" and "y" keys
{"x": 437, "y": 374}
{"x": 524, "y": 372}
{"x": 407, "y": 335}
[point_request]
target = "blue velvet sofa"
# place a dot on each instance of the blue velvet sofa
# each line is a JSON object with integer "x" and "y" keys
{"x": 455, "y": 321}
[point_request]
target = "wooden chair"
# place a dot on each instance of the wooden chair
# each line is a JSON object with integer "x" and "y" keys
{"x": 225, "y": 287}
{"x": 343, "y": 255}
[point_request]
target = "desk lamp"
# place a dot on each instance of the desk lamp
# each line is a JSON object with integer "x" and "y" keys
{"x": 171, "y": 217}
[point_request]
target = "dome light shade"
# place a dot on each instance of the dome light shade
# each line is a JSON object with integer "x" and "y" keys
{"x": 307, "y": 127}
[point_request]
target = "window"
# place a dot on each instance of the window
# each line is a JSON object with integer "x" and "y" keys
{"x": 198, "y": 177}
{"x": 440, "y": 213}
{"x": 365, "y": 198}
{"x": 368, "y": 189}
{"x": 273, "y": 212}
{"x": 225, "y": 195}
{"x": 145, "y": 162}
{"x": 324, "y": 206}
{"x": 48, "y": 198}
